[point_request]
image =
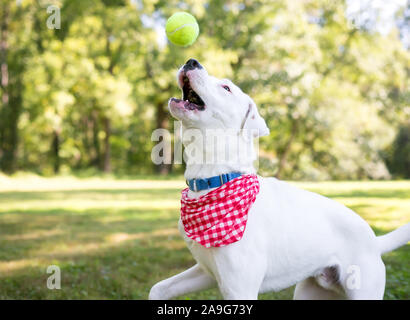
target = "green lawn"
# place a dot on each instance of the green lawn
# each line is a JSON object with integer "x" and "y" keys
{"x": 113, "y": 239}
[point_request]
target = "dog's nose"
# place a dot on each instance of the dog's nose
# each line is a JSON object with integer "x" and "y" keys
{"x": 192, "y": 64}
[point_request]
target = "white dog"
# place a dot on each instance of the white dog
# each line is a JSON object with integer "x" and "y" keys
{"x": 292, "y": 236}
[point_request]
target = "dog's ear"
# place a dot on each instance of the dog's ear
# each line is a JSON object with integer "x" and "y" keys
{"x": 253, "y": 121}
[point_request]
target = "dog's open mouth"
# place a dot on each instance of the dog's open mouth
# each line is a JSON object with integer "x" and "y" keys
{"x": 190, "y": 99}
{"x": 188, "y": 94}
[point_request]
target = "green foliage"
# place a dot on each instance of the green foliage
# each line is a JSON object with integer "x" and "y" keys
{"x": 90, "y": 94}
{"x": 398, "y": 158}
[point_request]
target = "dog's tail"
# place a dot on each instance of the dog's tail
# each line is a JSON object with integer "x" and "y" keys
{"x": 394, "y": 239}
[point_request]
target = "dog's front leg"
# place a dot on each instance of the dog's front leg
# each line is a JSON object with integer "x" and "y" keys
{"x": 192, "y": 280}
{"x": 239, "y": 279}
{"x": 240, "y": 290}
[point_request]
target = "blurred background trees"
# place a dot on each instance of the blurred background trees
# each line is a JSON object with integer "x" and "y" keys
{"x": 332, "y": 82}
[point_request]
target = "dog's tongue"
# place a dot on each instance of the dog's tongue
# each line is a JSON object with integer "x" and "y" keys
{"x": 190, "y": 105}
{"x": 187, "y": 104}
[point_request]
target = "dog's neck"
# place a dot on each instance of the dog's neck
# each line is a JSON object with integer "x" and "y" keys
{"x": 209, "y": 156}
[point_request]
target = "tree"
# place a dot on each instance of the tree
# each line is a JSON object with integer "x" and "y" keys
{"x": 398, "y": 159}
{"x": 88, "y": 95}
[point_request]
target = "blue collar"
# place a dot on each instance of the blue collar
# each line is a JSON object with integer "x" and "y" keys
{"x": 212, "y": 182}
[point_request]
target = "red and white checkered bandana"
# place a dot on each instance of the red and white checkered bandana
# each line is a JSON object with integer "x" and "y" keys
{"x": 219, "y": 217}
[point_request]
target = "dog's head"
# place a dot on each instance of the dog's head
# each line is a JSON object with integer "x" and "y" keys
{"x": 211, "y": 103}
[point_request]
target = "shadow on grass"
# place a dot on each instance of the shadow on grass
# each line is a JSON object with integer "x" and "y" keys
{"x": 104, "y": 253}
{"x": 25, "y": 232}
{"x": 119, "y": 253}
{"x": 125, "y": 272}
{"x": 170, "y": 193}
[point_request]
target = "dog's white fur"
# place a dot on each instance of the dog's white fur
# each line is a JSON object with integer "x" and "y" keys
{"x": 292, "y": 236}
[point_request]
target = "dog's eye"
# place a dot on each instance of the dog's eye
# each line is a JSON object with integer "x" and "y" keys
{"x": 226, "y": 88}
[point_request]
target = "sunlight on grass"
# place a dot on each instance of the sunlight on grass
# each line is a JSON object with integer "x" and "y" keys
{"x": 384, "y": 214}
{"x": 7, "y": 268}
{"x": 116, "y": 238}
{"x": 77, "y": 204}
{"x": 40, "y": 234}
{"x": 36, "y": 183}
{"x": 338, "y": 186}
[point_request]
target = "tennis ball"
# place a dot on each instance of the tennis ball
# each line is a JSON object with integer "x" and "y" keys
{"x": 182, "y": 29}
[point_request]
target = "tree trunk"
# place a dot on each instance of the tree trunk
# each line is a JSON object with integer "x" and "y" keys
{"x": 55, "y": 147}
{"x": 4, "y": 145}
{"x": 11, "y": 103}
{"x": 162, "y": 123}
{"x": 4, "y": 53}
{"x": 106, "y": 120}
{"x": 96, "y": 158}
{"x": 107, "y": 146}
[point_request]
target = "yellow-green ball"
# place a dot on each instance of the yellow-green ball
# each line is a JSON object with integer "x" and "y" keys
{"x": 182, "y": 29}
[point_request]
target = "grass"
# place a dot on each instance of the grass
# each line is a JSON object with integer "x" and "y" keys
{"x": 113, "y": 238}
